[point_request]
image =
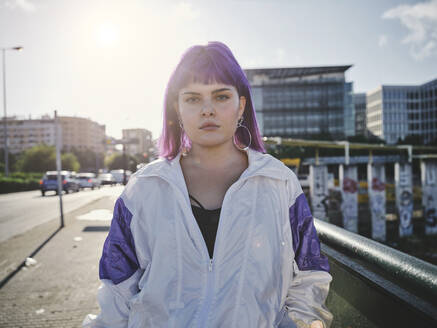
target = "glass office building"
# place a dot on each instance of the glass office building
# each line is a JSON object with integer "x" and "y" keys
{"x": 301, "y": 102}
{"x": 360, "y": 113}
{"x": 394, "y": 112}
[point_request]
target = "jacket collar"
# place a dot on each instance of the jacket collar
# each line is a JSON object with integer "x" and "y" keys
{"x": 259, "y": 165}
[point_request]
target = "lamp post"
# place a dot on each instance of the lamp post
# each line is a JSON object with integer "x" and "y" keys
{"x": 5, "y": 122}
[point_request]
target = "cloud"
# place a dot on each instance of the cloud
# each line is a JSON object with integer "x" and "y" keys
{"x": 185, "y": 11}
{"x": 25, "y": 5}
{"x": 382, "y": 40}
{"x": 421, "y": 21}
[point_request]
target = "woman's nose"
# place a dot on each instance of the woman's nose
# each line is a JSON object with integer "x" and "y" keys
{"x": 207, "y": 109}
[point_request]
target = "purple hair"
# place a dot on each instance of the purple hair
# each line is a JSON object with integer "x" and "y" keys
{"x": 206, "y": 64}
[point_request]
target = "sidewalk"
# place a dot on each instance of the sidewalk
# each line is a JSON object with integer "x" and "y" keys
{"x": 61, "y": 288}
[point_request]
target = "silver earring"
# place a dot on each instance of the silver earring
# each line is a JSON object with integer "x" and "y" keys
{"x": 240, "y": 125}
{"x": 181, "y": 125}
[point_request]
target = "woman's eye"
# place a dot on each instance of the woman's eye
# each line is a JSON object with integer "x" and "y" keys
{"x": 222, "y": 97}
{"x": 191, "y": 100}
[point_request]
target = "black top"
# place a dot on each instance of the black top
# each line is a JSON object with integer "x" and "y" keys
{"x": 208, "y": 223}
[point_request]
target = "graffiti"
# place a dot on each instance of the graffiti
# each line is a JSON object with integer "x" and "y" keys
{"x": 431, "y": 218}
{"x": 404, "y": 198}
{"x": 430, "y": 210}
{"x": 377, "y": 206}
{"x": 405, "y": 218}
{"x": 377, "y": 184}
{"x": 319, "y": 190}
{"x": 350, "y": 212}
{"x": 429, "y": 196}
{"x": 349, "y": 206}
{"x": 405, "y": 209}
{"x": 350, "y": 185}
{"x": 376, "y": 190}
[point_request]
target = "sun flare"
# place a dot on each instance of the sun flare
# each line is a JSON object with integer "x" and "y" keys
{"x": 107, "y": 34}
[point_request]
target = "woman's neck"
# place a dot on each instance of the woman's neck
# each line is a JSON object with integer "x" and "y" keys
{"x": 215, "y": 157}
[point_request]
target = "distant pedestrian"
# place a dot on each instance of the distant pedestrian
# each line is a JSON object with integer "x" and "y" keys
{"x": 215, "y": 233}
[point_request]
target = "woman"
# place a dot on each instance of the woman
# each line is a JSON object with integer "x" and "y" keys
{"x": 215, "y": 233}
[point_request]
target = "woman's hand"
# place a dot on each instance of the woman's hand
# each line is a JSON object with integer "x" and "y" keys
{"x": 316, "y": 324}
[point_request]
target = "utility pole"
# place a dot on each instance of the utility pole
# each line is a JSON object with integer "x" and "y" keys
{"x": 58, "y": 166}
{"x": 5, "y": 118}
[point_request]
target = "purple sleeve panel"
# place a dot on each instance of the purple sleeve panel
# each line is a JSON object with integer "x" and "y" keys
{"x": 306, "y": 244}
{"x": 119, "y": 260}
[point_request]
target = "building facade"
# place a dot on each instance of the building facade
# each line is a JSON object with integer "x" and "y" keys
{"x": 144, "y": 139}
{"x": 27, "y": 133}
{"x": 303, "y": 102}
{"x": 395, "y": 112}
{"x": 360, "y": 104}
{"x": 82, "y": 133}
{"x": 77, "y": 132}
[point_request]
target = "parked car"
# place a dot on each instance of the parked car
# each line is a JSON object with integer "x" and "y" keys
{"x": 50, "y": 182}
{"x": 88, "y": 180}
{"x": 118, "y": 175}
{"x": 106, "y": 179}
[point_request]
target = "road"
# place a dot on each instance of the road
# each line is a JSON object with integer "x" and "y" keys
{"x": 22, "y": 211}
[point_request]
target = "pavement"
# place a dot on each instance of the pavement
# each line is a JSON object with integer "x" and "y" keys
{"x": 60, "y": 288}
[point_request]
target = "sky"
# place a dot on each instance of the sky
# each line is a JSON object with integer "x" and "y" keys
{"x": 110, "y": 60}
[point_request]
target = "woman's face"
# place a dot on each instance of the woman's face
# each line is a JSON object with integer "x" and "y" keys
{"x": 209, "y": 112}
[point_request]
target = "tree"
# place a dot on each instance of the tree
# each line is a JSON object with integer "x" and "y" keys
{"x": 88, "y": 159}
{"x": 39, "y": 158}
{"x": 70, "y": 162}
{"x": 42, "y": 158}
{"x": 12, "y": 159}
{"x": 115, "y": 161}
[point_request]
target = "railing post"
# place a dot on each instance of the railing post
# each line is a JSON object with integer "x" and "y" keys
{"x": 376, "y": 190}
{"x": 404, "y": 198}
{"x": 429, "y": 195}
{"x": 349, "y": 190}
{"x": 319, "y": 190}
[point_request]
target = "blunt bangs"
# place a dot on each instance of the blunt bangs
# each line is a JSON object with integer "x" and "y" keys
{"x": 212, "y": 63}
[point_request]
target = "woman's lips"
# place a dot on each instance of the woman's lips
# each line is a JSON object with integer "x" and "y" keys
{"x": 210, "y": 127}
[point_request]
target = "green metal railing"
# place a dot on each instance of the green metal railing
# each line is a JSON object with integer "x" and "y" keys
{"x": 375, "y": 285}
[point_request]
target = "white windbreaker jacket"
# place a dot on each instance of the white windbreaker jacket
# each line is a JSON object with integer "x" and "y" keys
{"x": 266, "y": 267}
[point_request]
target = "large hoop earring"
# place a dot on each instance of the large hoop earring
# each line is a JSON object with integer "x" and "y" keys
{"x": 240, "y": 125}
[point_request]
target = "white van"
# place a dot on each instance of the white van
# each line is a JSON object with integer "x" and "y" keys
{"x": 118, "y": 175}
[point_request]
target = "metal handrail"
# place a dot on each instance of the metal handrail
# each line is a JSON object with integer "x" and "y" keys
{"x": 415, "y": 272}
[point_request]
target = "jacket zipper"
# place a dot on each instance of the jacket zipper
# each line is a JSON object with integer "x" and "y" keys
{"x": 211, "y": 272}
{"x": 209, "y": 294}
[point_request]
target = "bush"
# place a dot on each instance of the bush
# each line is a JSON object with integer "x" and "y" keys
{"x": 15, "y": 184}
{"x": 24, "y": 175}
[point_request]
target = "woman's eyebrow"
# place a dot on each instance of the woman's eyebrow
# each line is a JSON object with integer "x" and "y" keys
{"x": 222, "y": 89}
{"x": 196, "y": 93}
{"x": 190, "y": 93}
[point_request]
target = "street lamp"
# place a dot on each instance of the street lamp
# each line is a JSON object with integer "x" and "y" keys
{"x": 5, "y": 121}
